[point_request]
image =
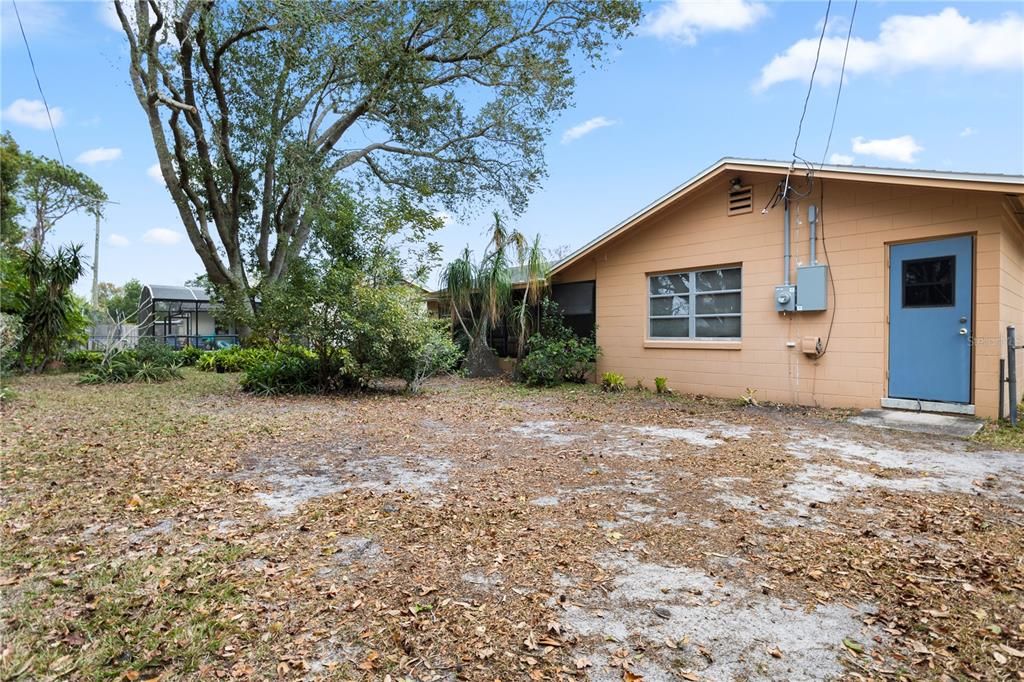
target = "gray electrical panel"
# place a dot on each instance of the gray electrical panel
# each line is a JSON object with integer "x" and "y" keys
{"x": 811, "y": 288}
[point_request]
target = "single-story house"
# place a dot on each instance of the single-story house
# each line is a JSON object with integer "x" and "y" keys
{"x": 181, "y": 316}
{"x": 837, "y": 286}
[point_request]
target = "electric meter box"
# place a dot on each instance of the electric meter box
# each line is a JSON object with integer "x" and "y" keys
{"x": 785, "y": 298}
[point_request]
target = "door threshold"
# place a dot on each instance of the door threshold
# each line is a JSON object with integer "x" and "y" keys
{"x": 927, "y": 406}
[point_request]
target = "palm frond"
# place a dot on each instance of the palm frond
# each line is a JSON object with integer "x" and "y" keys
{"x": 537, "y": 270}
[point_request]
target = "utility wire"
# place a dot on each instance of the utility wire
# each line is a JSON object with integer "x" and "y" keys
{"x": 38, "y": 84}
{"x": 839, "y": 92}
{"x": 786, "y": 188}
{"x": 810, "y": 85}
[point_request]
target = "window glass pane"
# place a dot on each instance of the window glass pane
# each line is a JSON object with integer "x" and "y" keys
{"x": 718, "y": 303}
{"x": 674, "y": 328}
{"x": 718, "y": 327}
{"x": 674, "y": 305}
{"x": 716, "y": 280}
{"x": 670, "y": 284}
{"x": 929, "y": 282}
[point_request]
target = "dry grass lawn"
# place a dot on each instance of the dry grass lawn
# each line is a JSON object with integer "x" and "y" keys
{"x": 484, "y": 531}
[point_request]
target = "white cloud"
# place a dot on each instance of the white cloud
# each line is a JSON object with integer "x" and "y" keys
{"x": 155, "y": 173}
{"x": 39, "y": 19}
{"x": 99, "y": 155}
{"x": 163, "y": 236}
{"x": 32, "y": 113}
{"x": 685, "y": 20}
{"x": 585, "y": 128}
{"x": 944, "y": 40}
{"x": 903, "y": 148}
{"x": 968, "y": 132}
{"x": 838, "y": 159}
{"x": 117, "y": 240}
{"x": 838, "y": 25}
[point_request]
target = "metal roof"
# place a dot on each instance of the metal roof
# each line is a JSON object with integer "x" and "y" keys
{"x": 1013, "y": 184}
{"x": 170, "y": 292}
{"x": 915, "y": 173}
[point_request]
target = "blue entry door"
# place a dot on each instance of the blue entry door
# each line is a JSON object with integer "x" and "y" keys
{"x": 930, "y": 325}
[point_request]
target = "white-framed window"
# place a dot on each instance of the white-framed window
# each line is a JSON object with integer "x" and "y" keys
{"x": 695, "y": 304}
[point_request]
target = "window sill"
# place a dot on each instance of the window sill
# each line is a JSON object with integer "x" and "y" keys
{"x": 695, "y": 345}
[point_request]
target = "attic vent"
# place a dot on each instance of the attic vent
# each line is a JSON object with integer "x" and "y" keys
{"x": 741, "y": 199}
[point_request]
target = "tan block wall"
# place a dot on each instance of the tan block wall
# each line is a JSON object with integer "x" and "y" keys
{"x": 859, "y": 221}
{"x": 1012, "y": 291}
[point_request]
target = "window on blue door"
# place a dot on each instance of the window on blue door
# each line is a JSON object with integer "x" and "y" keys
{"x": 929, "y": 282}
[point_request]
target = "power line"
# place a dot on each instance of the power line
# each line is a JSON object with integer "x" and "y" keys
{"x": 839, "y": 92}
{"x": 810, "y": 85}
{"x": 38, "y": 84}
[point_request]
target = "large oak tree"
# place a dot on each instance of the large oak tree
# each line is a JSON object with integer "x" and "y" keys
{"x": 258, "y": 107}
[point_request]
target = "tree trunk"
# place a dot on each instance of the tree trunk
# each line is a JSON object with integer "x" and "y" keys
{"x": 481, "y": 360}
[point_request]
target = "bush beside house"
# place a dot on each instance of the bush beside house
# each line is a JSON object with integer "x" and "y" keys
{"x": 556, "y": 354}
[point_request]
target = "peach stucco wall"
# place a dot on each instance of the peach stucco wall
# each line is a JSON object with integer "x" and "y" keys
{"x": 859, "y": 221}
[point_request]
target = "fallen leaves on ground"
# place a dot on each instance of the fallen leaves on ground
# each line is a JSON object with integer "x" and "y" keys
{"x": 135, "y": 546}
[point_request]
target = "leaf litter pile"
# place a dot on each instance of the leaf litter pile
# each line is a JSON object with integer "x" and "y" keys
{"x": 483, "y": 531}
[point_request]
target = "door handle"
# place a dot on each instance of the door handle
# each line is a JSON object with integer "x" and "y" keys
{"x": 963, "y": 331}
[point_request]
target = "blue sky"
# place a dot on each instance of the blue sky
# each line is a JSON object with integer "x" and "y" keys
{"x": 938, "y": 86}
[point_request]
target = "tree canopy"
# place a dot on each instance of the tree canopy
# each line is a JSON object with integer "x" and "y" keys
{"x": 120, "y": 303}
{"x": 53, "y": 191}
{"x": 11, "y": 233}
{"x": 257, "y": 108}
{"x": 45, "y": 188}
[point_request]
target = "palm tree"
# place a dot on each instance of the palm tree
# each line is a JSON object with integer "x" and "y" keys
{"x": 47, "y": 303}
{"x": 480, "y": 293}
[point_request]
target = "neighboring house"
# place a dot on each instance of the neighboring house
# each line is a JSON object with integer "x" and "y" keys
{"x": 431, "y": 300}
{"x": 181, "y": 316}
{"x": 903, "y": 301}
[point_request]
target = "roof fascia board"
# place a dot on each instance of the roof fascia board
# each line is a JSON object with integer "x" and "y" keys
{"x": 1007, "y": 184}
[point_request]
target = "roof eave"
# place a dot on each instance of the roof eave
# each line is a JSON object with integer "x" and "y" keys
{"x": 1005, "y": 184}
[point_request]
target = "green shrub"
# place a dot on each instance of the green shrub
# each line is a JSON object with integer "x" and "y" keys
{"x": 437, "y": 354}
{"x": 189, "y": 356}
{"x": 11, "y": 332}
{"x": 390, "y": 335}
{"x": 235, "y": 358}
{"x": 661, "y": 384}
{"x": 150, "y": 351}
{"x": 82, "y": 360}
{"x": 612, "y": 382}
{"x": 126, "y": 366}
{"x": 556, "y": 354}
{"x": 208, "y": 362}
{"x": 149, "y": 362}
{"x": 282, "y": 372}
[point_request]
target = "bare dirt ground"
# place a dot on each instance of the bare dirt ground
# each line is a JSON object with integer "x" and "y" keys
{"x": 485, "y": 531}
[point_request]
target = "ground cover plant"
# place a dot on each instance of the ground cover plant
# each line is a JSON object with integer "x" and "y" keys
{"x": 1001, "y": 434}
{"x": 487, "y": 530}
{"x": 150, "y": 362}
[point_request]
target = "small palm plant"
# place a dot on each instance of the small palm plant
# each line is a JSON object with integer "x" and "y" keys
{"x": 480, "y": 293}
{"x": 49, "y": 309}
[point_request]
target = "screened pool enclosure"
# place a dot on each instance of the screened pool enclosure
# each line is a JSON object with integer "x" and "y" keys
{"x": 182, "y": 316}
